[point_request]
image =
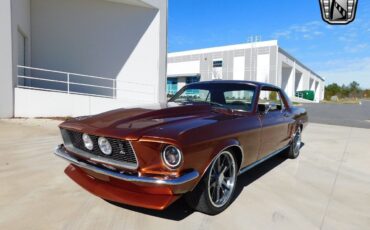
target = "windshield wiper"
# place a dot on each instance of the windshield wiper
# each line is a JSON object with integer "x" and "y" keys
{"x": 187, "y": 101}
{"x": 215, "y": 103}
{"x": 206, "y": 102}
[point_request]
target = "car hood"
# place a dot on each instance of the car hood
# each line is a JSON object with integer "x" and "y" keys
{"x": 163, "y": 120}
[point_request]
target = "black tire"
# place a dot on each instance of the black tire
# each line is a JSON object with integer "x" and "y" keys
{"x": 295, "y": 145}
{"x": 200, "y": 198}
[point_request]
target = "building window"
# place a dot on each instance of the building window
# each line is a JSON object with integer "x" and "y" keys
{"x": 217, "y": 63}
{"x": 217, "y": 69}
{"x": 171, "y": 86}
{"x": 190, "y": 80}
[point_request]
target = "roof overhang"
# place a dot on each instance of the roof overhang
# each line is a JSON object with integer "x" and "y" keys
{"x": 225, "y": 48}
{"x": 140, "y": 3}
{"x": 183, "y": 75}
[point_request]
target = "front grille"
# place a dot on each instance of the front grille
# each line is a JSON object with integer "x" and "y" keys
{"x": 121, "y": 149}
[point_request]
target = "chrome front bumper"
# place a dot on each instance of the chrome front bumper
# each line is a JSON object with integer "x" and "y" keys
{"x": 187, "y": 177}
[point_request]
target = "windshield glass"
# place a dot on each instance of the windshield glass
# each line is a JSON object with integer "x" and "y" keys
{"x": 229, "y": 95}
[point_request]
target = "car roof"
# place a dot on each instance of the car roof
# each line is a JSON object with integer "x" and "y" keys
{"x": 253, "y": 83}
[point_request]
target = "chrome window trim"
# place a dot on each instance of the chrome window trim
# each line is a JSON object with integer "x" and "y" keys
{"x": 69, "y": 147}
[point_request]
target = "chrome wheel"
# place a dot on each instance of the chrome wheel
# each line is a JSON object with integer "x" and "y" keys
{"x": 222, "y": 179}
{"x": 297, "y": 142}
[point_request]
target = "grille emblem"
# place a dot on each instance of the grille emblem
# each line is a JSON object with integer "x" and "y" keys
{"x": 121, "y": 151}
{"x": 338, "y": 12}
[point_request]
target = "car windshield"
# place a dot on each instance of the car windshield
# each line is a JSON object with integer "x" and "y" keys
{"x": 229, "y": 95}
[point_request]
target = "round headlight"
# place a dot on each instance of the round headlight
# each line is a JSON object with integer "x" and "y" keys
{"x": 105, "y": 146}
{"x": 88, "y": 143}
{"x": 172, "y": 156}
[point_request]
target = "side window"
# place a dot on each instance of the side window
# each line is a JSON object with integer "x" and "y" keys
{"x": 268, "y": 96}
{"x": 239, "y": 99}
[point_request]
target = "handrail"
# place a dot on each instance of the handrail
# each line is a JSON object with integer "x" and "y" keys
{"x": 61, "y": 72}
{"x": 69, "y": 79}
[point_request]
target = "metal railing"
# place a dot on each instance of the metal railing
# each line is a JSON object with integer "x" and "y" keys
{"x": 66, "y": 82}
{"x": 80, "y": 84}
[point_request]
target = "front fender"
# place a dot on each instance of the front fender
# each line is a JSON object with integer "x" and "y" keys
{"x": 219, "y": 146}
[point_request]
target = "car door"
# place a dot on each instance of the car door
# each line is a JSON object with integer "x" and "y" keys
{"x": 274, "y": 130}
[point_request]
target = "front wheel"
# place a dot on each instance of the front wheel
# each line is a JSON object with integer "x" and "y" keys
{"x": 296, "y": 144}
{"x": 215, "y": 191}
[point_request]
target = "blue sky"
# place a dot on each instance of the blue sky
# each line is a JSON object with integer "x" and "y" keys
{"x": 338, "y": 53}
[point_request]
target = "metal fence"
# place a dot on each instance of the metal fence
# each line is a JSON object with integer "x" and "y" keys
{"x": 65, "y": 82}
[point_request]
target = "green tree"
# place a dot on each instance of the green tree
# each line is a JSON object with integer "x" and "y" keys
{"x": 273, "y": 96}
{"x": 332, "y": 90}
{"x": 345, "y": 91}
{"x": 354, "y": 89}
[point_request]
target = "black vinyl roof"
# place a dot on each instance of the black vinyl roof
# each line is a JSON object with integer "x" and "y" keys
{"x": 253, "y": 83}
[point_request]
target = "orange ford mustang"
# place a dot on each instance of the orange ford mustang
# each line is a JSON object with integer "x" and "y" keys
{"x": 194, "y": 146}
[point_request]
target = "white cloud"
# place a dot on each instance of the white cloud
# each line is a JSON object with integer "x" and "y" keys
{"x": 308, "y": 30}
{"x": 346, "y": 38}
{"x": 356, "y": 48}
{"x": 282, "y": 34}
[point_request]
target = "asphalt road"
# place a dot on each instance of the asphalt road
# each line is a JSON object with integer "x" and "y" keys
{"x": 340, "y": 114}
{"x": 327, "y": 187}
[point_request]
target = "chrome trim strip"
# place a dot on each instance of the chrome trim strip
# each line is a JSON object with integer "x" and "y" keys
{"x": 133, "y": 149}
{"x": 61, "y": 152}
{"x": 69, "y": 146}
{"x": 243, "y": 170}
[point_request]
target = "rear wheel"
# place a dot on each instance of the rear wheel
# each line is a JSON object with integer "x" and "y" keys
{"x": 215, "y": 191}
{"x": 295, "y": 146}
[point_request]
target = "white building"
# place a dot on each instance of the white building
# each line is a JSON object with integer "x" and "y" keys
{"x": 79, "y": 57}
{"x": 258, "y": 61}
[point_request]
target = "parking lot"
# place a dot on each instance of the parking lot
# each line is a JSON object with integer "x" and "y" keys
{"x": 327, "y": 187}
{"x": 352, "y": 115}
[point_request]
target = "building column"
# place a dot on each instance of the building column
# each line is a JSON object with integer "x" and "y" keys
{"x": 317, "y": 91}
{"x": 162, "y": 64}
{"x": 293, "y": 80}
{"x": 6, "y": 63}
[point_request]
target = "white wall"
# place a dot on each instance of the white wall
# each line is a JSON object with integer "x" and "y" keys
{"x": 298, "y": 81}
{"x": 263, "y": 67}
{"x": 103, "y": 38}
{"x": 287, "y": 80}
{"x": 36, "y": 103}
{"x": 162, "y": 5}
{"x": 183, "y": 68}
{"x": 239, "y": 68}
{"x": 6, "y": 78}
{"x": 21, "y": 23}
{"x": 307, "y": 81}
{"x": 120, "y": 39}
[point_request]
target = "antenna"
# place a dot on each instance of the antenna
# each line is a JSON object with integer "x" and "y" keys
{"x": 254, "y": 38}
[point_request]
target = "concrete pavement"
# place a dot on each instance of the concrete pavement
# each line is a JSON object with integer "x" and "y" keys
{"x": 327, "y": 187}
